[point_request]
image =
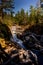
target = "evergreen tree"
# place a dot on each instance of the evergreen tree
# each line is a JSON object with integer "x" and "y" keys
{"x": 6, "y": 6}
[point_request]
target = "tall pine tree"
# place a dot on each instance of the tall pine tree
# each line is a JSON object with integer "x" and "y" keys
{"x": 6, "y": 6}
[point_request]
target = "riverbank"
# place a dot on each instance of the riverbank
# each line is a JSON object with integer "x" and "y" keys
{"x": 32, "y": 54}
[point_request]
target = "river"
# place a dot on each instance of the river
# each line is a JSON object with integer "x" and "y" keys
{"x": 37, "y": 52}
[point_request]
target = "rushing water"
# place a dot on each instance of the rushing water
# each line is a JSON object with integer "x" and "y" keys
{"x": 18, "y": 41}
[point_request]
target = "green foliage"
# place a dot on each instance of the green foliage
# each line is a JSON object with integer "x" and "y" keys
{"x": 6, "y": 6}
{"x": 35, "y": 17}
{"x": 32, "y": 14}
{"x": 21, "y": 17}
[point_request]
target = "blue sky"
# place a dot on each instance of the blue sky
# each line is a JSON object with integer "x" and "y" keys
{"x": 25, "y": 4}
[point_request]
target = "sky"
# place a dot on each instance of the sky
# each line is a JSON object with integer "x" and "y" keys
{"x": 25, "y": 4}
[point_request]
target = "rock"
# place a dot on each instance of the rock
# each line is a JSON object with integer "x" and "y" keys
{"x": 38, "y": 47}
{"x": 41, "y": 38}
{"x": 2, "y": 42}
{"x": 41, "y": 51}
{"x": 28, "y": 57}
{"x": 5, "y": 31}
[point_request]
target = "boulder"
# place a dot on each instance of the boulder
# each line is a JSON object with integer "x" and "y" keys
{"x": 41, "y": 38}
{"x": 28, "y": 57}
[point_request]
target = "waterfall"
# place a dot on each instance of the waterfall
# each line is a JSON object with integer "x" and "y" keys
{"x": 18, "y": 41}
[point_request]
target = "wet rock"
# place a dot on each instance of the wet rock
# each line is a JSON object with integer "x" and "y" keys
{"x": 28, "y": 57}
{"x": 38, "y": 47}
{"x": 41, "y": 51}
{"x": 31, "y": 41}
{"x": 41, "y": 38}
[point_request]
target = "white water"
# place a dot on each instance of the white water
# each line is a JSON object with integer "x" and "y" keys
{"x": 18, "y": 41}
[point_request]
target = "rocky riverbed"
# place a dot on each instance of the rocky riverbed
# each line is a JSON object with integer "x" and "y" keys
{"x": 25, "y": 49}
{"x": 32, "y": 54}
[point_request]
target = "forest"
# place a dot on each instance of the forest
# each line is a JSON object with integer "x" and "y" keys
{"x": 27, "y": 45}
